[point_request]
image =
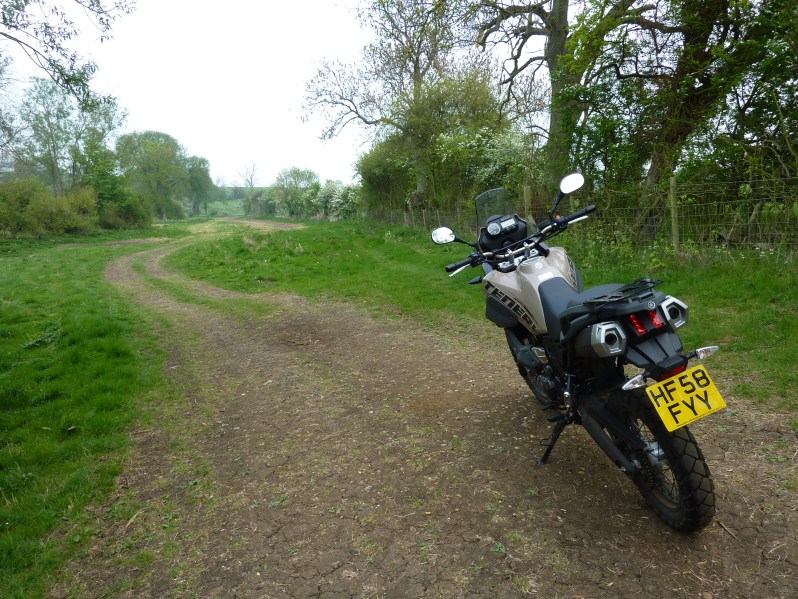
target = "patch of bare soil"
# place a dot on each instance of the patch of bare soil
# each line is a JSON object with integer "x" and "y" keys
{"x": 322, "y": 452}
{"x": 143, "y": 241}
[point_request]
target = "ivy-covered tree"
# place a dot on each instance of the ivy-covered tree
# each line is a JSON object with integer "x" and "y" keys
{"x": 670, "y": 66}
{"x": 631, "y": 80}
{"x": 753, "y": 136}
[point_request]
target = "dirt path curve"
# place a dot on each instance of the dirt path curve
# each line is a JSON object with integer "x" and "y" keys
{"x": 315, "y": 451}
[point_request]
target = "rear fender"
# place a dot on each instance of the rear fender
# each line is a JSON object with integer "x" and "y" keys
{"x": 654, "y": 350}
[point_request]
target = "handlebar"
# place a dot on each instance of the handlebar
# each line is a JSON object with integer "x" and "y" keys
{"x": 456, "y": 265}
{"x": 580, "y": 213}
{"x": 560, "y": 224}
{"x": 552, "y": 229}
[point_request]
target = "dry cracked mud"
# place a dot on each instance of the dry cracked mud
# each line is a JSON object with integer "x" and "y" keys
{"x": 315, "y": 449}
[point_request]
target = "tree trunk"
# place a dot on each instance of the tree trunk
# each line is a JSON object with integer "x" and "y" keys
{"x": 563, "y": 110}
{"x": 421, "y": 194}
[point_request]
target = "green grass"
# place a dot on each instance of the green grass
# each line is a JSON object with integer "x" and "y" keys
{"x": 76, "y": 361}
{"x": 226, "y": 208}
{"x": 391, "y": 270}
{"x": 745, "y": 304}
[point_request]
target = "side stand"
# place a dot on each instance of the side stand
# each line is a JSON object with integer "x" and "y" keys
{"x": 562, "y": 421}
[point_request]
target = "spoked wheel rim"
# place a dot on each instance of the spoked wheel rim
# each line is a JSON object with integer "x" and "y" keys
{"x": 661, "y": 478}
{"x": 672, "y": 474}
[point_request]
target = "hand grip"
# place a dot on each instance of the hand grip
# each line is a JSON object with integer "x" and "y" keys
{"x": 581, "y": 213}
{"x": 456, "y": 265}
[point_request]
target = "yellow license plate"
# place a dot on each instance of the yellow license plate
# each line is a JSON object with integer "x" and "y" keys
{"x": 685, "y": 398}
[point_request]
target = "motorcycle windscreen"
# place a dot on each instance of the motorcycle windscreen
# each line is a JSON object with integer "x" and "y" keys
{"x": 492, "y": 203}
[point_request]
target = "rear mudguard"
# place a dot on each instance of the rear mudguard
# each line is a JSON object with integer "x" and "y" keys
{"x": 654, "y": 351}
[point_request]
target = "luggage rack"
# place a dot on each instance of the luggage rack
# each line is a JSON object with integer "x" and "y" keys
{"x": 628, "y": 291}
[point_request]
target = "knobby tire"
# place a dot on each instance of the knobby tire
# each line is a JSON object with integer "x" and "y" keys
{"x": 676, "y": 483}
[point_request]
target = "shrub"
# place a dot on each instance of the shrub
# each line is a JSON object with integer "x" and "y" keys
{"x": 15, "y": 196}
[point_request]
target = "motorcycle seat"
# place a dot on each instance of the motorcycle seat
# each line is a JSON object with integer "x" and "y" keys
{"x": 557, "y": 296}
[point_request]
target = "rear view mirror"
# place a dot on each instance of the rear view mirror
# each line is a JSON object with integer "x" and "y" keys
{"x": 571, "y": 183}
{"x": 443, "y": 235}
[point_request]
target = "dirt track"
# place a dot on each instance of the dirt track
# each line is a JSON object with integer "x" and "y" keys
{"x": 316, "y": 451}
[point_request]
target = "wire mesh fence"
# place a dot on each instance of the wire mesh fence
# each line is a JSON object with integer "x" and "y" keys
{"x": 761, "y": 216}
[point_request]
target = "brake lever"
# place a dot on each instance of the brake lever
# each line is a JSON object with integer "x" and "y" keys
{"x": 459, "y": 270}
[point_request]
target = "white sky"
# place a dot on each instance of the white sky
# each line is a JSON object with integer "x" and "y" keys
{"x": 227, "y": 79}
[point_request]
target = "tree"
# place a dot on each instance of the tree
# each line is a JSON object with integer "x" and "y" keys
{"x": 389, "y": 87}
{"x": 295, "y": 189}
{"x": 465, "y": 123}
{"x": 753, "y": 135}
{"x": 686, "y": 56}
{"x": 56, "y": 130}
{"x": 329, "y": 194}
{"x": 263, "y": 202}
{"x": 386, "y": 174}
{"x": 43, "y": 31}
{"x": 249, "y": 176}
{"x": 200, "y": 187}
{"x": 155, "y": 165}
{"x": 666, "y": 64}
{"x": 347, "y": 203}
{"x": 516, "y": 26}
{"x": 117, "y": 206}
{"x": 47, "y": 114}
{"x": 9, "y": 126}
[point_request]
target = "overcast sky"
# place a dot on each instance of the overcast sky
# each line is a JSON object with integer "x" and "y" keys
{"x": 227, "y": 79}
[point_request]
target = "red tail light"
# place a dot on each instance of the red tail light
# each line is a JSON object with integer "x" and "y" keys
{"x": 644, "y": 322}
{"x": 655, "y": 319}
{"x": 678, "y": 370}
{"x": 638, "y": 326}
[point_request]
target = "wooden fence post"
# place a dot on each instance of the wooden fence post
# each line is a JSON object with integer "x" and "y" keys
{"x": 674, "y": 215}
{"x": 527, "y": 192}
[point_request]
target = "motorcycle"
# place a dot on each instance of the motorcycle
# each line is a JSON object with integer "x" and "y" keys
{"x": 573, "y": 347}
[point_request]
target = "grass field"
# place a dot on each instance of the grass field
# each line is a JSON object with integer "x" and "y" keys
{"x": 79, "y": 364}
{"x": 747, "y": 305}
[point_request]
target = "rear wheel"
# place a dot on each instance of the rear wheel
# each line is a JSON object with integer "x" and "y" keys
{"x": 673, "y": 477}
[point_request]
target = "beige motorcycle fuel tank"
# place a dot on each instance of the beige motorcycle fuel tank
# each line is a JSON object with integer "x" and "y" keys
{"x": 519, "y": 290}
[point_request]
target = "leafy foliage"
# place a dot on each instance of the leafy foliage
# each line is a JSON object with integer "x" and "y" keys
{"x": 29, "y": 207}
{"x": 43, "y": 30}
{"x": 297, "y": 193}
{"x": 117, "y": 206}
{"x": 199, "y": 187}
{"x": 401, "y": 85}
{"x": 57, "y": 131}
{"x": 659, "y": 74}
{"x": 154, "y": 164}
